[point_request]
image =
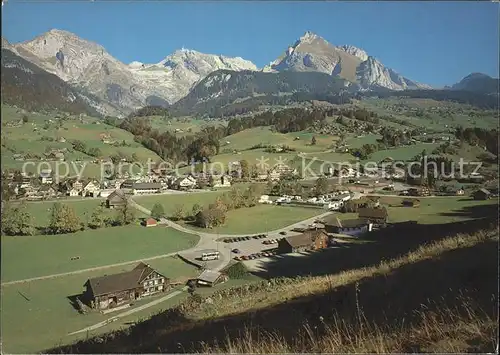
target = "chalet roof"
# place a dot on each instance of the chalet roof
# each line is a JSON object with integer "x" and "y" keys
{"x": 347, "y": 223}
{"x": 146, "y": 185}
{"x": 117, "y": 195}
{"x": 120, "y": 282}
{"x": 209, "y": 276}
{"x": 305, "y": 238}
{"x": 372, "y": 213}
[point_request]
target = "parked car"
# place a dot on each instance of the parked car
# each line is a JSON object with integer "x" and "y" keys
{"x": 283, "y": 232}
{"x": 236, "y": 251}
{"x": 237, "y": 258}
{"x": 244, "y": 257}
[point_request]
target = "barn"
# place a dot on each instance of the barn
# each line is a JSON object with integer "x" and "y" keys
{"x": 114, "y": 290}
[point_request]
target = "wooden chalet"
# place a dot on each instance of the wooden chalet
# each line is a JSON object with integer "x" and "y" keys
{"x": 309, "y": 240}
{"x": 374, "y": 215}
{"x": 113, "y": 290}
{"x": 116, "y": 199}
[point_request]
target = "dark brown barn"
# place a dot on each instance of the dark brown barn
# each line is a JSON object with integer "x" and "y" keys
{"x": 310, "y": 240}
{"x": 113, "y": 290}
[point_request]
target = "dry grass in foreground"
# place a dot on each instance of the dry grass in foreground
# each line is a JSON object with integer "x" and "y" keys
{"x": 461, "y": 329}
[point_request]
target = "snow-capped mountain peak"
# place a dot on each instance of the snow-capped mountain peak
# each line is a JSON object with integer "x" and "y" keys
{"x": 88, "y": 65}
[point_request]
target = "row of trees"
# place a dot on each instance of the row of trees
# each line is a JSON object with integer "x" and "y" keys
{"x": 205, "y": 143}
{"x": 284, "y": 121}
{"x": 16, "y": 219}
{"x": 170, "y": 147}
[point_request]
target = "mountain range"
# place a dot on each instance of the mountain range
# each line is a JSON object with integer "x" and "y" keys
{"x": 118, "y": 88}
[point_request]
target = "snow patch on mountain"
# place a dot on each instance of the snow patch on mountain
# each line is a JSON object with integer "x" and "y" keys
{"x": 88, "y": 65}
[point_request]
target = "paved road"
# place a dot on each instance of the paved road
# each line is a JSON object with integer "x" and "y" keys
{"x": 132, "y": 311}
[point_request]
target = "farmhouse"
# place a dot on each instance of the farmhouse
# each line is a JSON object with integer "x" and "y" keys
{"x": 280, "y": 169}
{"x": 77, "y": 185}
{"x": 46, "y": 176}
{"x": 127, "y": 184}
{"x": 374, "y": 215}
{"x": 140, "y": 188}
{"x": 481, "y": 194}
{"x": 73, "y": 192}
{"x": 46, "y": 191}
{"x": 424, "y": 191}
{"x": 309, "y": 240}
{"x": 188, "y": 182}
{"x": 211, "y": 278}
{"x": 116, "y": 199}
{"x": 113, "y": 290}
{"x": 106, "y": 192}
{"x": 91, "y": 189}
{"x": 221, "y": 181}
{"x": 353, "y": 227}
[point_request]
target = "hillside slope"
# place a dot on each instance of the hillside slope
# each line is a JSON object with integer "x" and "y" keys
{"x": 421, "y": 298}
{"x": 224, "y": 87}
{"x": 28, "y": 86}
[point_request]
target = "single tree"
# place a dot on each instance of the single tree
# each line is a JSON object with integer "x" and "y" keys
{"x": 321, "y": 186}
{"x": 97, "y": 219}
{"x": 313, "y": 140}
{"x": 196, "y": 208}
{"x": 125, "y": 214}
{"x": 157, "y": 212}
{"x": 63, "y": 219}
{"x": 245, "y": 169}
{"x": 178, "y": 213}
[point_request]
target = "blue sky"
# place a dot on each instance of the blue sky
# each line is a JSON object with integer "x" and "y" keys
{"x": 436, "y": 43}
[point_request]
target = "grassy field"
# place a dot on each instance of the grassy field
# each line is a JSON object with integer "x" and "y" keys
{"x": 434, "y": 210}
{"x": 183, "y": 126}
{"x": 403, "y": 153}
{"x": 262, "y": 218}
{"x": 40, "y": 210}
{"x": 34, "y": 137}
{"x": 263, "y": 135}
{"x": 221, "y": 161}
{"x": 187, "y": 200}
{"x": 33, "y": 256}
{"x": 45, "y": 319}
{"x": 434, "y": 121}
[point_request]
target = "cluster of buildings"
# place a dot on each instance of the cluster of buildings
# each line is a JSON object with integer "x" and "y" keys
{"x": 322, "y": 235}
{"x": 332, "y": 201}
{"x": 45, "y": 186}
